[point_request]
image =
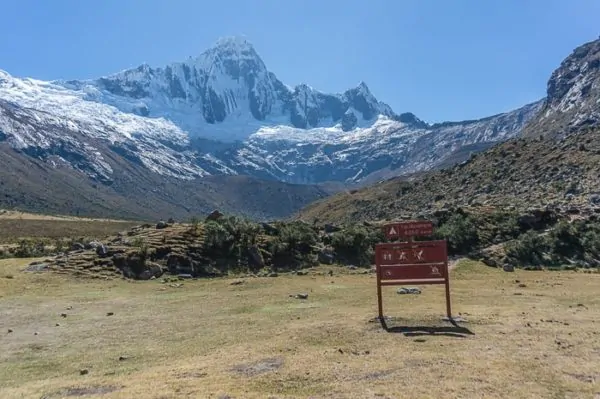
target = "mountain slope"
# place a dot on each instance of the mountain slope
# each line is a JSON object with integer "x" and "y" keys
{"x": 521, "y": 173}
{"x": 573, "y": 99}
{"x": 28, "y": 183}
{"x": 555, "y": 164}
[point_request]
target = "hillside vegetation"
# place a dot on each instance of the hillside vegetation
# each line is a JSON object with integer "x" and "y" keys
{"x": 517, "y": 175}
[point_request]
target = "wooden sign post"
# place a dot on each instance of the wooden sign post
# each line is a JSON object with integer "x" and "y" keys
{"x": 412, "y": 262}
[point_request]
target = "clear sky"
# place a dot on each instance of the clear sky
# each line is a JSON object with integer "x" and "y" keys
{"x": 441, "y": 59}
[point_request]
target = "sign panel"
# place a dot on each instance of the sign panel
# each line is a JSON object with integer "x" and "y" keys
{"x": 412, "y": 252}
{"x": 413, "y": 272}
{"x": 418, "y": 262}
{"x": 408, "y": 229}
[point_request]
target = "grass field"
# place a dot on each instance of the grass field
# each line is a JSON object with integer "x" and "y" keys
{"x": 17, "y": 225}
{"x": 536, "y": 338}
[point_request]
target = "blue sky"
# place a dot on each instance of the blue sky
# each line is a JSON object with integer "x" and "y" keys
{"x": 442, "y": 59}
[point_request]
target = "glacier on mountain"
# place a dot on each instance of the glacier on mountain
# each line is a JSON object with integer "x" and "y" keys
{"x": 223, "y": 112}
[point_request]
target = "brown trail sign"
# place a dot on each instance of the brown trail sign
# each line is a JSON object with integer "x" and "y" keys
{"x": 416, "y": 262}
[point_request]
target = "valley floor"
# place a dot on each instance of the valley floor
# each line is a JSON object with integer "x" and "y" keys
{"x": 537, "y": 337}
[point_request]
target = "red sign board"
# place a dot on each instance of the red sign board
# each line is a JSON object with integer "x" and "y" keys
{"x": 408, "y": 229}
{"x": 419, "y": 262}
{"x": 406, "y": 253}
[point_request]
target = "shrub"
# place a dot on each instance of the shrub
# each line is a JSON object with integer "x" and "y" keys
{"x": 293, "y": 247}
{"x": 195, "y": 222}
{"x": 461, "y": 232}
{"x": 228, "y": 241}
{"x": 356, "y": 244}
{"x": 564, "y": 241}
{"x": 528, "y": 249}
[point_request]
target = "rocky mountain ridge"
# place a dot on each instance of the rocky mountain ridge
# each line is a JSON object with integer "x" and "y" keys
{"x": 573, "y": 95}
{"x": 554, "y": 165}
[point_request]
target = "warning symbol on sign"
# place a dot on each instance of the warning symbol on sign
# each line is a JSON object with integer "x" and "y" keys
{"x": 392, "y": 231}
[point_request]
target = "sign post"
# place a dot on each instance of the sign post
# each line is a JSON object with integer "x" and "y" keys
{"x": 416, "y": 262}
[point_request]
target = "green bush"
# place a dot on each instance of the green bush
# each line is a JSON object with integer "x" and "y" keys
{"x": 564, "y": 241}
{"x": 228, "y": 241}
{"x": 528, "y": 249}
{"x": 460, "y": 230}
{"x": 356, "y": 244}
{"x": 294, "y": 246}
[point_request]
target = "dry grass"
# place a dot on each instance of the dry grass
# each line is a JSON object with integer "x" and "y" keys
{"x": 212, "y": 339}
{"x": 15, "y": 225}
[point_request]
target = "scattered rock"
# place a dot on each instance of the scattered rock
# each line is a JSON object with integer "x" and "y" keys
{"x": 122, "y": 358}
{"x": 37, "y": 267}
{"x": 110, "y": 314}
{"x": 63, "y": 315}
{"x": 9, "y": 276}
{"x": 522, "y": 285}
{"x": 69, "y": 307}
{"x": 84, "y": 372}
{"x": 256, "y": 257}
{"x": 35, "y": 333}
{"x": 162, "y": 225}
{"x": 57, "y": 325}
{"x": 300, "y": 273}
{"x": 300, "y": 296}
{"x": 10, "y": 330}
{"x": 420, "y": 340}
{"x": 508, "y": 268}
{"x": 237, "y": 282}
{"x": 409, "y": 290}
{"x": 102, "y": 251}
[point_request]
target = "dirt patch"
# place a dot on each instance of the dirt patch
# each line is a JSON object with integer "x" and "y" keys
{"x": 378, "y": 375}
{"x": 81, "y": 391}
{"x": 582, "y": 377}
{"x": 260, "y": 367}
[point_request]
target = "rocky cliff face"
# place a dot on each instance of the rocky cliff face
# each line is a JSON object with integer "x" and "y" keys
{"x": 573, "y": 95}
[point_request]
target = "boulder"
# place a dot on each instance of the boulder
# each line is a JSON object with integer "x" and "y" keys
{"x": 329, "y": 228}
{"x": 92, "y": 245}
{"x": 326, "y": 256}
{"x": 214, "y": 216}
{"x": 256, "y": 257}
{"x": 508, "y": 267}
{"x": 151, "y": 270}
{"x": 180, "y": 264}
{"x": 162, "y": 225}
{"x": 269, "y": 229}
{"x": 102, "y": 251}
{"x": 409, "y": 290}
{"x": 77, "y": 246}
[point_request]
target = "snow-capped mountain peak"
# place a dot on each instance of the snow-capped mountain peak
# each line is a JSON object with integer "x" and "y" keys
{"x": 224, "y": 112}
